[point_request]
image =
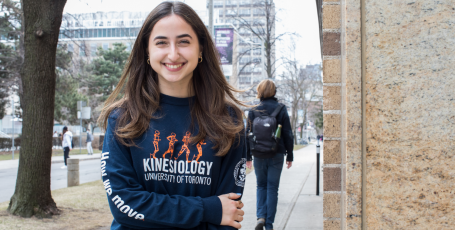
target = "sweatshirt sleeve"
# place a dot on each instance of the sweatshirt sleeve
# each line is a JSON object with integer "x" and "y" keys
{"x": 249, "y": 123}
{"x": 288, "y": 137}
{"x": 134, "y": 207}
{"x": 233, "y": 174}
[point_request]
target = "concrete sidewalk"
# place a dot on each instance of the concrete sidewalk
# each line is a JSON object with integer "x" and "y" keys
{"x": 298, "y": 205}
{"x": 9, "y": 164}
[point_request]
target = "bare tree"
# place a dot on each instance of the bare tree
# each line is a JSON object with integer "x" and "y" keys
{"x": 262, "y": 28}
{"x": 302, "y": 87}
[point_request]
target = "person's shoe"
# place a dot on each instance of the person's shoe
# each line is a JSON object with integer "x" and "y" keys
{"x": 63, "y": 167}
{"x": 260, "y": 224}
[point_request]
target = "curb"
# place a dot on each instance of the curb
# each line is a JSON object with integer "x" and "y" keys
{"x": 80, "y": 159}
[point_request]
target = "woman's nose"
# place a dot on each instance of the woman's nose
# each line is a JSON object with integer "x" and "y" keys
{"x": 173, "y": 53}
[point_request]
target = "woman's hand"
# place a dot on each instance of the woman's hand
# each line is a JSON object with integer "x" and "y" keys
{"x": 249, "y": 164}
{"x": 289, "y": 163}
{"x": 232, "y": 213}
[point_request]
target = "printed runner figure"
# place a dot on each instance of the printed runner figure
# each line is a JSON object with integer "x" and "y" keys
{"x": 171, "y": 140}
{"x": 156, "y": 139}
{"x": 186, "y": 140}
{"x": 199, "y": 149}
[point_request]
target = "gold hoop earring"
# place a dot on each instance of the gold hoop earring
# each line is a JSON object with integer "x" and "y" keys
{"x": 148, "y": 61}
{"x": 201, "y": 59}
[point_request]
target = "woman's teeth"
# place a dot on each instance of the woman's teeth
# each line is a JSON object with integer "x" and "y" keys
{"x": 174, "y": 66}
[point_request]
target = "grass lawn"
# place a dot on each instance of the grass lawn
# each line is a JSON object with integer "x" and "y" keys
{"x": 55, "y": 152}
{"x": 82, "y": 207}
{"x": 297, "y": 147}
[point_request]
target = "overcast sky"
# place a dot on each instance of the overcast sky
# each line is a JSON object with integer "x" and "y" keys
{"x": 299, "y": 16}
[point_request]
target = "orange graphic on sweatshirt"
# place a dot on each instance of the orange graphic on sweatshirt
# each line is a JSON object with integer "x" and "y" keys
{"x": 156, "y": 139}
{"x": 199, "y": 149}
{"x": 171, "y": 140}
{"x": 186, "y": 140}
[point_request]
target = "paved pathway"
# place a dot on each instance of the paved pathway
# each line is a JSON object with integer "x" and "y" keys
{"x": 298, "y": 206}
{"x": 89, "y": 170}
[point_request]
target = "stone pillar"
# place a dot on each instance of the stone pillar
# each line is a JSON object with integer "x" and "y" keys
{"x": 73, "y": 172}
{"x": 331, "y": 51}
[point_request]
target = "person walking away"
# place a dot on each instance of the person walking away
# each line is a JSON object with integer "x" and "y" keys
{"x": 89, "y": 142}
{"x": 268, "y": 163}
{"x": 55, "y": 140}
{"x": 66, "y": 144}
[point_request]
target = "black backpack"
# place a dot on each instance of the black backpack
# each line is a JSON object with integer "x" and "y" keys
{"x": 263, "y": 143}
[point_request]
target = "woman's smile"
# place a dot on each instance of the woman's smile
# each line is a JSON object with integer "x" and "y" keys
{"x": 174, "y": 67}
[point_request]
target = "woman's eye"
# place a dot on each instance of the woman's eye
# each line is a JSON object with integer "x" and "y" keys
{"x": 185, "y": 41}
{"x": 161, "y": 43}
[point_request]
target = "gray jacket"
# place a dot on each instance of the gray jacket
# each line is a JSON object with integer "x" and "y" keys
{"x": 89, "y": 137}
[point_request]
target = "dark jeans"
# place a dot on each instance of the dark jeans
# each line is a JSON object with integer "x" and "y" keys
{"x": 268, "y": 173}
{"x": 66, "y": 152}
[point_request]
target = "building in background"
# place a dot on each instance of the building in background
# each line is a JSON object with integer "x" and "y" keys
{"x": 250, "y": 61}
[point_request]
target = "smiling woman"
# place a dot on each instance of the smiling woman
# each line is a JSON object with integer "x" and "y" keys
{"x": 174, "y": 152}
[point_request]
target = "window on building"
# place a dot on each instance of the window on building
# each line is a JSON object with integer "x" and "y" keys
{"x": 245, "y": 69}
{"x": 82, "y": 50}
{"x": 257, "y": 51}
{"x": 101, "y": 23}
{"x": 257, "y": 69}
{"x": 100, "y": 33}
{"x": 109, "y": 34}
{"x": 244, "y": 50}
{"x": 104, "y": 33}
{"x": 122, "y": 32}
{"x": 70, "y": 48}
{"x": 230, "y": 12}
{"x": 256, "y": 60}
{"x": 93, "y": 48}
{"x": 244, "y": 31}
{"x": 231, "y": 2}
{"x": 258, "y": 11}
{"x": 244, "y": 60}
{"x": 218, "y": 3}
{"x": 105, "y": 46}
{"x": 244, "y": 12}
{"x": 244, "y": 2}
{"x": 108, "y": 23}
{"x": 244, "y": 80}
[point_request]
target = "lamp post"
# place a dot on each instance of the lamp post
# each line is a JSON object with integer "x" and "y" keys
{"x": 12, "y": 120}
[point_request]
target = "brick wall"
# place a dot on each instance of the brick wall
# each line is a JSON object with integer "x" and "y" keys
{"x": 331, "y": 51}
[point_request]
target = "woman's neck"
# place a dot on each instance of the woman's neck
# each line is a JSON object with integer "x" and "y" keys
{"x": 176, "y": 89}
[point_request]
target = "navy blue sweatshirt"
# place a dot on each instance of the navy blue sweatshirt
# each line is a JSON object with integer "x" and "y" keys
{"x": 286, "y": 142}
{"x": 166, "y": 182}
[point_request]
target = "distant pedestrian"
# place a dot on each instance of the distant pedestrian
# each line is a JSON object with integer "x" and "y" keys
{"x": 55, "y": 140}
{"x": 89, "y": 142}
{"x": 66, "y": 144}
{"x": 267, "y": 166}
{"x": 309, "y": 140}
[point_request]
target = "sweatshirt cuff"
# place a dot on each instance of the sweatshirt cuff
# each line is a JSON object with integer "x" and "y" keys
{"x": 290, "y": 157}
{"x": 213, "y": 210}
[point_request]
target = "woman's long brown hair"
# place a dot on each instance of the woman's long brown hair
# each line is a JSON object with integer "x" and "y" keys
{"x": 214, "y": 98}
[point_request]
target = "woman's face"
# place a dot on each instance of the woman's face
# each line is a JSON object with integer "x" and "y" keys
{"x": 174, "y": 51}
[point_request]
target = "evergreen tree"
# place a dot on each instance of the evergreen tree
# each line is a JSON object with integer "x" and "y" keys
{"x": 66, "y": 89}
{"x": 107, "y": 70}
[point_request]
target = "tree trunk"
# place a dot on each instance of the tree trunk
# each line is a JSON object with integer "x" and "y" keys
{"x": 32, "y": 197}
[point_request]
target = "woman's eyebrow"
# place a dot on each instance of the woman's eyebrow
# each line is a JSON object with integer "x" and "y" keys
{"x": 179, "y": 36}
{"x": 184, "y": 35}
